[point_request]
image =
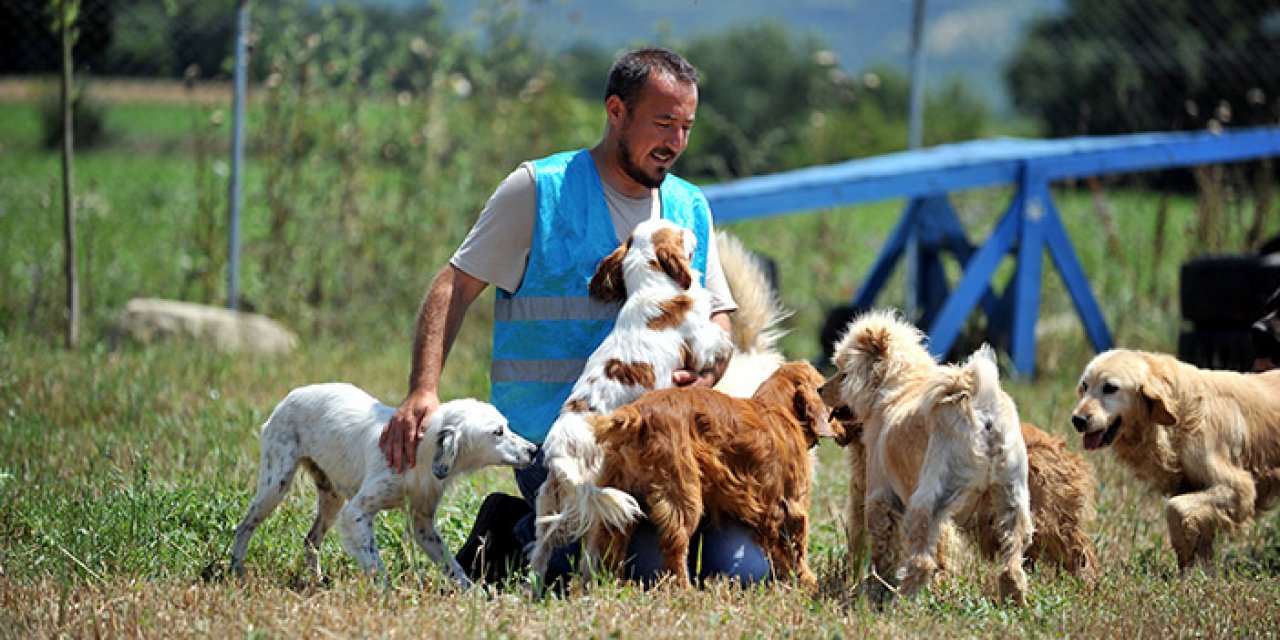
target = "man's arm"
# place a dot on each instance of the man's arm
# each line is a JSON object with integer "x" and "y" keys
{"x": 443, "y": 308}
{"x": 708, "y": 377}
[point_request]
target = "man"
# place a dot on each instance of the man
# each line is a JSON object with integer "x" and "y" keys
{"x": 539, "y": 240}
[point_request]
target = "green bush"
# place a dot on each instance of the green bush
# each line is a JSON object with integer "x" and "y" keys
{"x": 88, "y": 121}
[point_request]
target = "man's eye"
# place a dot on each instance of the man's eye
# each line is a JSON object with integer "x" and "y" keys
{"x": 1108, "y": 389}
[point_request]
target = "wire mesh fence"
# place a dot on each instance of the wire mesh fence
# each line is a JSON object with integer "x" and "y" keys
{"x": 1076, "y": 67}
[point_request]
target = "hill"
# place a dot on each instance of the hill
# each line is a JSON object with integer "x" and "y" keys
{"x": 969, "y": 39}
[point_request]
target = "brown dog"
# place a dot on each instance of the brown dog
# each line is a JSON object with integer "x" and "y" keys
{"x": 1062, "y": 509}
{"x": 1209, "y": 439}
{"x": 688, "y": 452}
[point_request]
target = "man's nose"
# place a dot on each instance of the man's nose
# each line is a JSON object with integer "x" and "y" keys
{"x": 678, "y": 139}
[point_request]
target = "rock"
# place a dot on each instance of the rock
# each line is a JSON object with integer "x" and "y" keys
{"x": 152, "y": 320}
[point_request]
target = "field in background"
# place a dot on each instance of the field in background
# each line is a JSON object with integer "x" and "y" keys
{"x": 123, "y": 471}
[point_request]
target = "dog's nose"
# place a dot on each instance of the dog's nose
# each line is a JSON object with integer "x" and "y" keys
{"x": 1080, "y": 423}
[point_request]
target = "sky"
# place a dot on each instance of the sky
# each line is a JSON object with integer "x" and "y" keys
{"x": 968, "y": 39}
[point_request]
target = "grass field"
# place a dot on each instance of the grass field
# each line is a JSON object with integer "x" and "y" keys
{"x": 123, "y": 471}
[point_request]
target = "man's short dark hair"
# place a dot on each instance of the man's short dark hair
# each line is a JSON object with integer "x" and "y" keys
{"x": 631, "y": 71}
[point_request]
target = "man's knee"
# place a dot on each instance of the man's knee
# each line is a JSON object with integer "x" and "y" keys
{"x": 725, "y": 551}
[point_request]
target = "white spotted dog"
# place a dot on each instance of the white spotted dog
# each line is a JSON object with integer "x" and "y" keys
{"x": 332, "y": 431}
{"x": 664, "y": 326}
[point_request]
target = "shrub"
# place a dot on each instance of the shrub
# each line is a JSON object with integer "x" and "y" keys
{"x": 88, "y": 117}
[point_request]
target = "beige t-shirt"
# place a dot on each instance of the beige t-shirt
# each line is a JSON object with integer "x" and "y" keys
{"x": 497, "y": 247}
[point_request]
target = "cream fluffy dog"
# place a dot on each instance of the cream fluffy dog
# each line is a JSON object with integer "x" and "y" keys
{"x": 938, "y": 439}
{"x": 332, "y": 430}
{"x": 1208, "y": 439}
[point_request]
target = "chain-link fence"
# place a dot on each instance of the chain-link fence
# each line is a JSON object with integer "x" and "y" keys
{"x": 1079, "y": 67}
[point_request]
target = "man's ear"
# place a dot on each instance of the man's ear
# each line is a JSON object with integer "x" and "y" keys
{"x": 616, "y": 110}
{"x": 609, "y": 283}
{"x": 446, "y": 451}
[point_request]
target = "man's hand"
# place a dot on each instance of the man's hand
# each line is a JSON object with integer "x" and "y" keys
{"x": 688, "y": 378}
{"x": 399, "y": 440}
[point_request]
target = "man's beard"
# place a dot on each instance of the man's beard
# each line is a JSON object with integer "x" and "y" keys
{"x": 635, "y": 172}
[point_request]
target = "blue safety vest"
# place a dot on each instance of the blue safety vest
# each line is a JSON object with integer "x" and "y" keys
{"x": 545, "y": 331}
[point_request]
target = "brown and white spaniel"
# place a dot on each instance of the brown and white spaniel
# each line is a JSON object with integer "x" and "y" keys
{"x": 664, "y": 326}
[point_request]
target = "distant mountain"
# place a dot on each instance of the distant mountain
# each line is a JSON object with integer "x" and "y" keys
{"x": 969, "y": 39}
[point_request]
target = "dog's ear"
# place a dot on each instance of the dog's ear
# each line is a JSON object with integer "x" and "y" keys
{"x": 446, "y": 450}
{"x": 875, "y": 343}
{"x": 672, "y": 260}
{"x": 1160, "y": 406}
{"x": 609, "y": 284}
{"x": 1157, "y": 390}
{"x": 814, "y": 413}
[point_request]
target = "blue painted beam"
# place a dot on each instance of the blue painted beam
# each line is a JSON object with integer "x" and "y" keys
{"x": 979, "y": 163}
{"x": 1029, "y": 227}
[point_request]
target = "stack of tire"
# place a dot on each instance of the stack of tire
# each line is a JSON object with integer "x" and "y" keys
{"x": 1220, "y": 297}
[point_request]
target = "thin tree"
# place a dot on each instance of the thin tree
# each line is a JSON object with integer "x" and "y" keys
{"x": 65, "y": 13}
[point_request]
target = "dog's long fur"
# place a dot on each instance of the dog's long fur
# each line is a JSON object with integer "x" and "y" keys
{"x": 332, "y": 431}
{"x": 694, "y": 451}
{"x": 664, "y": 325}
{"x": 937, "y": 439}
{"x": 1208, "y": 439}
{"x": 1062, "y": 508}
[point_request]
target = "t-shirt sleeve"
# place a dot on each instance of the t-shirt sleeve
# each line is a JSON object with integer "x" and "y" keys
{"x": 717, "y": 285}
{"x": 496, "y": 250}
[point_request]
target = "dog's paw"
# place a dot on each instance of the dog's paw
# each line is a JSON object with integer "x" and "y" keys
{"x": 1013, "y": 588}
{"x": 916, "y": 575}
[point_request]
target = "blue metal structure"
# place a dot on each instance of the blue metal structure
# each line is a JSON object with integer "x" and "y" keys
{"x": 1028, "y": 227}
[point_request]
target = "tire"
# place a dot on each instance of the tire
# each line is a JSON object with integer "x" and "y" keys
{"x": 1226, "y": 292}
{"x": 1230, "y": 349}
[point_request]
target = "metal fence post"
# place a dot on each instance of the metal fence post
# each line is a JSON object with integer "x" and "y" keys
{"x": 237, "y": 153}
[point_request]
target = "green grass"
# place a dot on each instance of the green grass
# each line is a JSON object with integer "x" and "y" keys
{"x": 123, "y": 471}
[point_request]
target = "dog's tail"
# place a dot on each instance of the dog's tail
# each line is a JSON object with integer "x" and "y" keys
{"x": 759, "y": 312}
{"x": 975, "y": 384}
{"x": 756, "y": 329}
{"x": 575, "y": 460}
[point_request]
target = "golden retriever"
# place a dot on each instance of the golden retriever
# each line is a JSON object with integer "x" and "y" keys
{"x": 685, "y": 453}
{"x": 1208, "y": 439}
{"x": 937, "y": 440}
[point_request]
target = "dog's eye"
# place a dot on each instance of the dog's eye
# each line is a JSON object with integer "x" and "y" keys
{"x": 1108, "y": 389}
{"x": 1084, "y": 387}
{"x": 499, "y": 431}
